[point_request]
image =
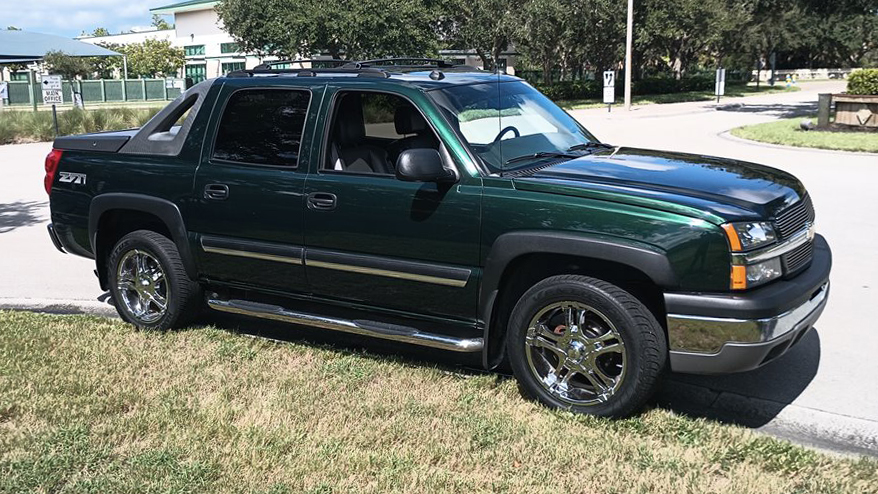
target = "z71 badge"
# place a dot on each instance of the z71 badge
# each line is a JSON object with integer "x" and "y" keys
{"x": 72, "y": 178}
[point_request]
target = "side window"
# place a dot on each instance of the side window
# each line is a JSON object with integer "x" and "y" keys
{"x": 262, "y": 127}
{"x": 369, "y": 131}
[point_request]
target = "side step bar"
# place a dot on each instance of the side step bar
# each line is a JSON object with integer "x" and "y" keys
{"x": 404, "y": 334}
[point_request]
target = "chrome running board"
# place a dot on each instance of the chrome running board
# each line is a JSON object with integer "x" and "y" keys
{"x": 393, "y": 332}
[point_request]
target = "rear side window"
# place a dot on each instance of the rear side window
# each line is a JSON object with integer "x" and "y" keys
{"x": 262, "y": 127}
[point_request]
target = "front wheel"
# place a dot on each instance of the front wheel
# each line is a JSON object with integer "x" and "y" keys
{"x": 149, "y": 284}
{"x": 585, "y": 345}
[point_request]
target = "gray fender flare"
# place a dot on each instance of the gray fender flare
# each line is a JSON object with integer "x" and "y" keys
{"x": 165, "y": 210}
{"x": 648, "y": 259}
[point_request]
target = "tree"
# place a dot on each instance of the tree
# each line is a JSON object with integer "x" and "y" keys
{"x": 101, "y": 31}
{"x": 69, "y": 67}
{"x": 160, "y": 23}
{"x": 361, "y": 29}
{"x": 540, "y": 32}
{"x": 152, "y": 58}
{"x": 487, "y": 26}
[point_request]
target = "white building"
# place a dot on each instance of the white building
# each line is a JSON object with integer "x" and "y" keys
{"x": 211, "y": 52}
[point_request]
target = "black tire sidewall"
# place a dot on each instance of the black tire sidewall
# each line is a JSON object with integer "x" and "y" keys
{"x": 143, "y": 241}
{"x": 631, "y": 394}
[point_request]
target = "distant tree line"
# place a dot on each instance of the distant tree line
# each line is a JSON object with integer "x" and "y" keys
{"x": 569, "y": 38}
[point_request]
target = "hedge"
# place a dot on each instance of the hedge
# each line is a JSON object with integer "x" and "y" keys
{"x": 863, "y": 82}
{"x": 591, "y": 89}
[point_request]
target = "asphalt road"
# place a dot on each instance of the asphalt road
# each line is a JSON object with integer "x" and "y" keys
{"x": 821, "y": 393}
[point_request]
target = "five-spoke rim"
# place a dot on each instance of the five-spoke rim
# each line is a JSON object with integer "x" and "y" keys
{"x": 142, "y": 285}
{"x": 575, "y": 353}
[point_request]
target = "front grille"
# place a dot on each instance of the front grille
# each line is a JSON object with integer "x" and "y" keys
{"x": 797, "y": 258}
{"x": 790, "y": 221}
{"x": 795, "y": 217}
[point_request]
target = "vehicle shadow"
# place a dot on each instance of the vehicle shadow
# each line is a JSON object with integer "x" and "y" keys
{"x": 20, "y": 214}
{"x": 749, "y": 399}
{"x": 777, "y": 110}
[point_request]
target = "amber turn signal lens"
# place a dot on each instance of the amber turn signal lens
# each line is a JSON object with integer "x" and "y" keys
{"x": 732, "y": 235}
{"x": 739, "y": 277}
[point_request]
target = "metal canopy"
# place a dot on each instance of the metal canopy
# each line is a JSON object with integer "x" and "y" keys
{"x": 25, "y": 46}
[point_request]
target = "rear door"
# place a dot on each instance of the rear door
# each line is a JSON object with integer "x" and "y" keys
{"x": 378, "y": 241}
{"x": 248, "y": 211}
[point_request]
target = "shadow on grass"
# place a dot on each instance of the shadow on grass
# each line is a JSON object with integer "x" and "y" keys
{"x": 748, "y": 399}
{"x": 780, "y": 110}
{"x": 20, "y": 214}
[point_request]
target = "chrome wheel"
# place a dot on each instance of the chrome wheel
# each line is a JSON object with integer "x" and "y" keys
{"x": 575, "y": 353}
{"x": 142, "y": 286}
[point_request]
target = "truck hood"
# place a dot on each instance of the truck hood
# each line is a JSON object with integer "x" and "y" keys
{"x": 713, "y": 188}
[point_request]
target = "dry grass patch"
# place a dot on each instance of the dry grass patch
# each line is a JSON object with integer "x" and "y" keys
{"x": 89, "y": 405}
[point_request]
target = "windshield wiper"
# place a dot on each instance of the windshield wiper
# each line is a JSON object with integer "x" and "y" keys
{"x": 541, "y": 154}
{"x": 590, "y": 145}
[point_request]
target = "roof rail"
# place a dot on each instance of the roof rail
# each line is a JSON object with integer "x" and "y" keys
{"x": 408, "y": 62}
{"x": 312, "y": 72}
{"x": 312, "y": 61}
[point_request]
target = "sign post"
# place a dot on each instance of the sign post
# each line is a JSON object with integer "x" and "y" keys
{"x": 52, "y": 95}
{"x": 720, "y": 88}
{"x": 609, "y": 88}
{"x": 4, "y": 93}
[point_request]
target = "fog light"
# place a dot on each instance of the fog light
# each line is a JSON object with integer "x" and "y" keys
{"x": 762, "y": 272}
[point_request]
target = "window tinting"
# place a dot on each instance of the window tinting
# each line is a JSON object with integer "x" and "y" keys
{"x": 263, "y": 127}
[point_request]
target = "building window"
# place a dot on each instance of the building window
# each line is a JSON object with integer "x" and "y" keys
{"x": 18, "y": 76}
{"x": 262, "y": 127}
{"x": 193, "y": 50}
{"x": 232, "y": 66}
{"x": 229, "y": 48}
{"x": 197, "y": 73}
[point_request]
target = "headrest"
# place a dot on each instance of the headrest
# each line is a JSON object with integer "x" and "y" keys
{"x": 408, "y": 120}
{"x": 349, "y": 126}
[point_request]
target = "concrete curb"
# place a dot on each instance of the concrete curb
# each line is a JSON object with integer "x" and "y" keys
{"x": 60, "y": 306}
{"x": 727, "y": 135}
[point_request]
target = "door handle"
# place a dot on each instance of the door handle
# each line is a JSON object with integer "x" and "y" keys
{"x": 322, "y": 201}
{"x": 216, "y": 192}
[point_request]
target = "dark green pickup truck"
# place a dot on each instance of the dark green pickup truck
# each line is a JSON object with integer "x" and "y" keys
{"x": 446, "y": 207}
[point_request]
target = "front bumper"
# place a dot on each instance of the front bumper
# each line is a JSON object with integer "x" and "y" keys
{"x": 724, "y": 333}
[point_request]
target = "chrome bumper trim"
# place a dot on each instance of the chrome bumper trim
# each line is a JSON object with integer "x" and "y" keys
{"x": 368, "y": 328}
{"x": 701, "y": 334}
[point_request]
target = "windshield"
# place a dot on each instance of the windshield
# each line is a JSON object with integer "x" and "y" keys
{"x": 511, "y": 124}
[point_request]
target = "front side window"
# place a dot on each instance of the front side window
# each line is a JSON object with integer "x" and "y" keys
{"x": 262, "y": 127}
{"x": 506, "y": 122}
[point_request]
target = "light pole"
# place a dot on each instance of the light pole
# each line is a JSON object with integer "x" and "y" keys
{"x": 629, "y": 38}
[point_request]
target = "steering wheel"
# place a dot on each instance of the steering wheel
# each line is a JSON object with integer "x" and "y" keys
{"x": 504, "y": 131}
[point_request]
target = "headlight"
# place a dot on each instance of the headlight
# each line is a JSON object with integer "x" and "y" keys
{"x": 749, "y": 235}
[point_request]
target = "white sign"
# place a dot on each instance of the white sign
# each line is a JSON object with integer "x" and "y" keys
{"x": 720, "y": 88}
{"x": 4, "y": 90}
{"x": 52, "y": 93}
{"x": 609, "y": 87}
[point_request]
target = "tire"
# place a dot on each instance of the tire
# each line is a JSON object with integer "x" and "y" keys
{"x": 585, "y": 345}
{"x": 144, "y": 269}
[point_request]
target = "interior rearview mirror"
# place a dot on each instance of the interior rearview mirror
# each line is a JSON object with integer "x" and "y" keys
{"x": 423, "y": 165}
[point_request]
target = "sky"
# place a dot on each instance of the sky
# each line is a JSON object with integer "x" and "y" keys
{"x": 71, "y": 17}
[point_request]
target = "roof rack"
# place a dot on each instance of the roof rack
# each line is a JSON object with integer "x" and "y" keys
{"x": 312, "y": 72}
{"x": 408, "y": 62}
{"x": 312, "y": 61}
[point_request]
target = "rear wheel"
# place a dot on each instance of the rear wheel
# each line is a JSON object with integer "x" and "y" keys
{"x": 586, "y": 345}
{"x": 149, "y": 284}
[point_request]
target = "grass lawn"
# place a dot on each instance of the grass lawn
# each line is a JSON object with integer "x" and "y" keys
{"x": 90, "y": 405}
{"x": 731, "y": 92}
{"x": 787, "y": 132}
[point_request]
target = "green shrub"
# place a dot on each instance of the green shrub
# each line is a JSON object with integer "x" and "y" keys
{"x": 18, "y": 126}
{"x": 591, "y": 89}
{"x": 863, "y": 81}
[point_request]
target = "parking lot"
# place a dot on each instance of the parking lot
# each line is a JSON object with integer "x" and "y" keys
{"x": 816, "y": 394}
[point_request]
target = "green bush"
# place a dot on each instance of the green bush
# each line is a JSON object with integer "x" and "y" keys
{"x": 863, "y": 82}
{"x": 591, "y": 89}
{"x": 24, "y": 126}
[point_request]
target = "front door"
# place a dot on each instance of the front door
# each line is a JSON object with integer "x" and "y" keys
{"x": 375, "y": 240}
{"x": 248, "y": 216}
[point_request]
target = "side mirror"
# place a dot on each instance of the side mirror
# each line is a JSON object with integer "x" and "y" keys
{"x": 422, "y": 165}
